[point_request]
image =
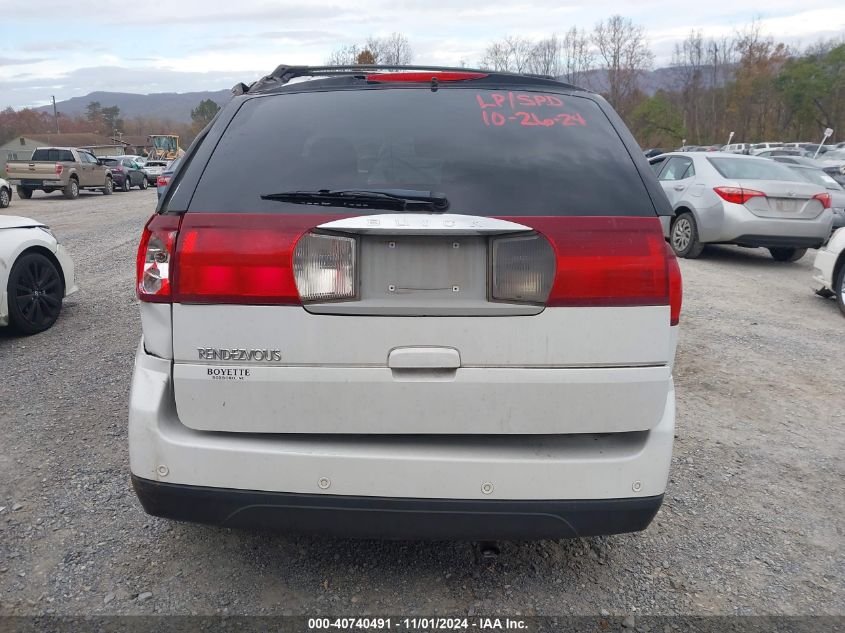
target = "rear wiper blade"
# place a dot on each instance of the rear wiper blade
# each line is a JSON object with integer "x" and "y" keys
{"x": 393, "y": 199}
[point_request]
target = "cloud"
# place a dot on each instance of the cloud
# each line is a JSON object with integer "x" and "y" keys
{"x": 35, "y": 91}
{"x": 51, "y": 44}
{"x": 200, "y": 45}
{"x": 17, "y": 61}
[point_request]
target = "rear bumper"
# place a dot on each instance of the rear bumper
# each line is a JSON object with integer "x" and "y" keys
{"x": 769, "y": 241}
{"x": 380, "y": 517}
{"x": 36, "y": 183}
{"x": 735, "y": 224}
{"x": 576, "y": 467}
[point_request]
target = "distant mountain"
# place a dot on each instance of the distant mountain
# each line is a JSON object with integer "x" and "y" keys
{"x": 163, "y": 105}
{"x": 668, "y": 79}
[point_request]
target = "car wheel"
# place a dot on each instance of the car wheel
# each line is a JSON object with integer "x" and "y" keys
{"x": 35, "y": 293}
{"x": 126, "y": 184}
{"x": 144, "y": 184}
{"x": 781, "y": 254}
{"x": 108, "y": 189}
{"x": 683, "y": 236}
{"x": 839, "y": 288}
{"x": 24, "y": 193}
{"x": 5, "y": 198}
{"x": 71, "y": 190}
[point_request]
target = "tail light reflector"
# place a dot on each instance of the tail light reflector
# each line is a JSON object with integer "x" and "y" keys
{"x": 59, "y": 169}
{"x": 162, "y": 181}
{"x": 154, "y": 263}
{"x": 523, "y": 269}
{"x": 324, "y": 267}
{"x": 824, "y": 198}
{"x": 675, "y": 286}
{"x": 610, "y": 261}
{"x": 738, "y": 195}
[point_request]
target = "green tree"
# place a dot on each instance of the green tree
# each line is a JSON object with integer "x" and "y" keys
{"x": 111, "y": 119}
{"x": 94, "y": 112}
{"x": 204, "y": 113}
{"x": 657, "y": 122}
{"x": 812, "y": 88}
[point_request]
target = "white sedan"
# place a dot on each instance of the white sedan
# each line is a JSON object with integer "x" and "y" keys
{"x": 36, "y": 274}
{"x": 829, "y": 268}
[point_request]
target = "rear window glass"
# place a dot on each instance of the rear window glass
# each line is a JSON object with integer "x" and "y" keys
{"x": 816, "y": 176}
{"x": 109, "y": 161}
{"x": 53, "y": 154}
{"x": 751, "y": 169}
{"x": 490, "y": 152}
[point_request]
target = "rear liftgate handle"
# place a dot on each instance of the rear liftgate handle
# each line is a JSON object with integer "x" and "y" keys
{"x": 424, "y": 363}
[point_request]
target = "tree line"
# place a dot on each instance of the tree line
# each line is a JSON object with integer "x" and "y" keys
{"x": 747, "y": 83}
{"x": 106, "y": 121}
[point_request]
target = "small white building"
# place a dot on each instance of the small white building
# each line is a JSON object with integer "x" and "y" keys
{"x": 21, "y": 147}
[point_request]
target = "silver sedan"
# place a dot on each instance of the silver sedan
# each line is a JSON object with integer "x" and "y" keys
{"x": 724, "y": 198}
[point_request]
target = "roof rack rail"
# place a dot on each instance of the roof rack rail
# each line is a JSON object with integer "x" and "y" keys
{"x": 283, "y": 73}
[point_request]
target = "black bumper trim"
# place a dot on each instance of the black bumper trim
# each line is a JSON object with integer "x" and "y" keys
{"x": 396, "y": 518}
{"x": 768, "y": 241}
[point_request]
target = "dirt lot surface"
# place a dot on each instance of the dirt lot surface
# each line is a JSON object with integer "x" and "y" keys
{"x": 752, "y": 522}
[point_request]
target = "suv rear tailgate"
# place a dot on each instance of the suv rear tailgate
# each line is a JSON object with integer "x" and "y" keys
{"x": 569, "y": 370}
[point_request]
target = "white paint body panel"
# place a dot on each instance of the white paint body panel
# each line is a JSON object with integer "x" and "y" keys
{"x": 565, "y": 370}
{"x": 826, "y": 258}
{"x": 557, "y": 337}
{"x": 445, "y": 467}
{"x": 18, "y": 234}
{"x": 380, "y": 400}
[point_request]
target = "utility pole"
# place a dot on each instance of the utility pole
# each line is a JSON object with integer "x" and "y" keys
{"x": 56, "y": 114}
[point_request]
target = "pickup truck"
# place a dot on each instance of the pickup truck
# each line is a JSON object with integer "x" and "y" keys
{"x": 59, "y": 168}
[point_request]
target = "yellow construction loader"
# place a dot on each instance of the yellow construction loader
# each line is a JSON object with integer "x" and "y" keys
{"x": 165, "y": 147}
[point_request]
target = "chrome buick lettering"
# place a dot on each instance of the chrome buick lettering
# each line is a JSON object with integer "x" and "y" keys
{"x": 265, "y": 355}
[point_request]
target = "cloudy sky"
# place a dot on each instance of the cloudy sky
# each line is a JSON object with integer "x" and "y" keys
{"x": 188, "y": 45}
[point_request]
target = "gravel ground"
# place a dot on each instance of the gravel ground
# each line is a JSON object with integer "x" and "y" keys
{"x": 752, "y": 523}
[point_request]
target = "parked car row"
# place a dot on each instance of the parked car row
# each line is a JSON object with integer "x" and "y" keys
{"x": 71, "y": 170}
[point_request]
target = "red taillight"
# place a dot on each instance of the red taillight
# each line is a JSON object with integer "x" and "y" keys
{"x": 824, "y": 198}
{"x": 239, "y": 257}
{"x": 162, "y": 181}
{"x": 154, "y": 265}
{"x": 59, "y": 169}
{"x": 738, "y": 195}
{"x": 610, "y": 261}
{"x": 421, "y": 77}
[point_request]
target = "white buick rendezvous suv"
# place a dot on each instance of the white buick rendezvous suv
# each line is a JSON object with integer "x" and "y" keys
{"x": 408, "y": 303}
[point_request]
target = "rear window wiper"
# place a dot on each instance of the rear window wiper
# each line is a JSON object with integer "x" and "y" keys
{"x": 392, "y": 199}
